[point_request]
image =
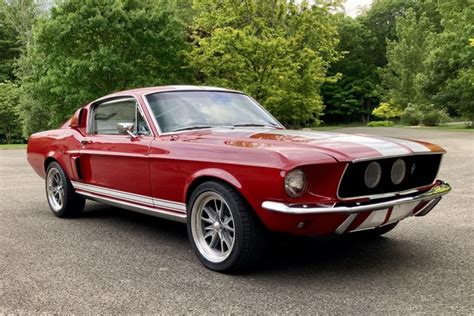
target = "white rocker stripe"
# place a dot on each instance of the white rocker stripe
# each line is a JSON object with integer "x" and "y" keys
{"x": 131, "y": 197}
{"x": 154, "y": 211}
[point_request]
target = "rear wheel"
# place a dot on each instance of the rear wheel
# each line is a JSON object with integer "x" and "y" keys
{"x": 62, "y": 199}
{"x": 224, "y": 233}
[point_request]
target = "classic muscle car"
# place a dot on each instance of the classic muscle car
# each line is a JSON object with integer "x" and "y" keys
{"x": 216, "y": 160}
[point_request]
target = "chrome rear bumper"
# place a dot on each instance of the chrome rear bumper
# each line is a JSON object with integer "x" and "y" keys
{"x": 440, "y": 189}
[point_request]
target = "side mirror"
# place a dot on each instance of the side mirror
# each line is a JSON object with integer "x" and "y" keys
{"x": 126, "y": 128}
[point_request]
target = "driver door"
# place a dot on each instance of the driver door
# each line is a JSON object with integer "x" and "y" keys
{"x": 115, "y": 161}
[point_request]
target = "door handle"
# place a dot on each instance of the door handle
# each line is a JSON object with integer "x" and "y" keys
{"x": 85, "y": 142}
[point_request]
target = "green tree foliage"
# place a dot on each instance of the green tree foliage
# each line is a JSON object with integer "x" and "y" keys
{"x": 402, "y": 74}
{"x": 10, "y": 128}
{"x": 387, "y": 111}
{"x": 84, "y": 51}
{"x": 16, "y": 21}
{"x": 276, "y": 51}
{"x": 9, "y": 47}
{"x": 353, "y": 96}
{"x": 449, "y": 80}
{"x": 381, "y": 18}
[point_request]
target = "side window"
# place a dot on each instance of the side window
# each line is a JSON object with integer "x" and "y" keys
{"x": 107, "y": 117}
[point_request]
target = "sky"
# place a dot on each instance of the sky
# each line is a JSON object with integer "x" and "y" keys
{"x": 353, "y": 7}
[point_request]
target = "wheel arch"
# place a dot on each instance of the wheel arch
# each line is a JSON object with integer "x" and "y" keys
{"x": 212, "y": 174}
{"x": 54, "y": 157}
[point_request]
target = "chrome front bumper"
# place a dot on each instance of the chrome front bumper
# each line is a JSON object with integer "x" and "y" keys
{"x": 434, "y": 195}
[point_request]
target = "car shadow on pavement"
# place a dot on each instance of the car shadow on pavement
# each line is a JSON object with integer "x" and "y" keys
{"x": 293, "y": 255}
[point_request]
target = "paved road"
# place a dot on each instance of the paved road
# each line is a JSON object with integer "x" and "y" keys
{"x": 113, "y": 261}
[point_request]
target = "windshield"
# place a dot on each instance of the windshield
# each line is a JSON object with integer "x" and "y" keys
{"x": 187, "y": 110}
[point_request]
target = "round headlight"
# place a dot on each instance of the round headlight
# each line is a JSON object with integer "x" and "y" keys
{"x": 398, "y": 171}
{"x": 295, "y": 183}
{"x": 373, "y": 174}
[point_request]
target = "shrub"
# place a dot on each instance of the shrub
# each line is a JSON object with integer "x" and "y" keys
{"x": 380, "y": 123}
{"x": 387, "y": 111}
{"x": 426, "y": 114}
{"x": 412, "y": 115}
{"x": 434, "y": 117}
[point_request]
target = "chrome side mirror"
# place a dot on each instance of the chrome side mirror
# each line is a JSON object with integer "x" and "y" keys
{"x": 126, "y": 128}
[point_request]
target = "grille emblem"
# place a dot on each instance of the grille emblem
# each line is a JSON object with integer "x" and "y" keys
{"x": 413, "y": 167}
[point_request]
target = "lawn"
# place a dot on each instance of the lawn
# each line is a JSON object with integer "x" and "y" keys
{"x": 12, "y": 146}
{"x": 455, "y": 127}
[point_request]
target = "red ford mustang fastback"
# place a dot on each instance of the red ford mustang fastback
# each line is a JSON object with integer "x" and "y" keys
{"x": 216, "y": 160}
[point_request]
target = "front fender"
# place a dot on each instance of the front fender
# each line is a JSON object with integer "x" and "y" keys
{"x": 213, "y": 173}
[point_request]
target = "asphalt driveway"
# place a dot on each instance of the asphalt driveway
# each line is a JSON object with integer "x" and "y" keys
{"x": 113, "y": 261}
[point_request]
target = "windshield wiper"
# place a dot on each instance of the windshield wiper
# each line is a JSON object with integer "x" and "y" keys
{"x": 186, "y": 128}
{"x": 255, "y": 124}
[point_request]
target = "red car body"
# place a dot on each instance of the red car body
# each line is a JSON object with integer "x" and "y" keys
{"x": 156, "y": 174}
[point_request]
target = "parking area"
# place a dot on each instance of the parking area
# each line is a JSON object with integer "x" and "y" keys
{"x": 114, "y": 261}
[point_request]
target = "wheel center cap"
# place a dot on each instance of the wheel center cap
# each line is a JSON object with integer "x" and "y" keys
{"x": 217, "y": 226}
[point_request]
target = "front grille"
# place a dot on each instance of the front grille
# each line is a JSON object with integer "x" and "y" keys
{"x": 421, "y": 170}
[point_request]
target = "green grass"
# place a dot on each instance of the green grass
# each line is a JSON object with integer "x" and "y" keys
{"x": 455, "y": 127}
{"x": 12, "y": 146}
{"x": 461, "y": 127}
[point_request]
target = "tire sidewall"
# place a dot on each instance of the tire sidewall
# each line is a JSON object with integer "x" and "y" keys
{"x": 221, "y": 190}
{"x": 64, "y": 182}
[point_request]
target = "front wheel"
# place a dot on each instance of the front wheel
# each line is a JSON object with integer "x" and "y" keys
{"x": 224, "y": 233}
{"x": 62, "y": 199}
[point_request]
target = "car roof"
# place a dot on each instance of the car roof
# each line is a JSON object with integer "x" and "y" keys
{"x": 148, "y": 90}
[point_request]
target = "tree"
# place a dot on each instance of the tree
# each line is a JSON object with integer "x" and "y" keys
{"x": 353, "y": 96}
{"x": 16, "y": 21}
{"x": 381, "y": 18}
{"x": 402, "y": 74}
{"x": 9, "y": 48}
{"x": 276, "y": 51}
{"x": 9, "y": 122}
{"x": 85, "y": 51}
{"x": 449, "y": 75}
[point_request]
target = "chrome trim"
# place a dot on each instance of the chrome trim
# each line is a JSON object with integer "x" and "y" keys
{"x": 428, "y": 207}
{"x": 209, "y": 89}
{"x": 113, "y": 99}
{"x": 345, "y": 224}
{"x": 401, "y": 156}
{"x": 439, "y": 190}
{"x": 387, "y": 194}
{"x": 131, "y": 197}
{"x": 136, "y": 208}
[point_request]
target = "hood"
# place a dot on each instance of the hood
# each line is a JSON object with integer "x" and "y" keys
{"x": 292, "y": 143}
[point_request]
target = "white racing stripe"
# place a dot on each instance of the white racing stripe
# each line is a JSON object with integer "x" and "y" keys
{"x": 131, "y": 197}
{"x": 414, "y": 146}
{"x": 386, "y": 147}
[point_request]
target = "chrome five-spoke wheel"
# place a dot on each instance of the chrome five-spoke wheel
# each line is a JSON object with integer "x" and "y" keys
{"x": 55, "y": 190}
{"x": 224, "y": 232}
{"x": 62, "y": 199}
{"x": 213, "y": 227}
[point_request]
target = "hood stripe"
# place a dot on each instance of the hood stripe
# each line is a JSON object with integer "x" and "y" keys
{"x": 335, "y": 140}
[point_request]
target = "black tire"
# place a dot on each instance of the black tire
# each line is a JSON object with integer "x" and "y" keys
{"x": 71, "y": 204}
{"x": 376, "y": 232}
{"x": 248, "y": 236}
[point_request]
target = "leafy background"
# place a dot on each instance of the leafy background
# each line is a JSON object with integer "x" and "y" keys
{"x": 307, "y": 62}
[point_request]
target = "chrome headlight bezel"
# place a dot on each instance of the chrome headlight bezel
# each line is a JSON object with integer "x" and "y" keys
{"x": 295, "y": 183}
{"x": 372, "y": 174}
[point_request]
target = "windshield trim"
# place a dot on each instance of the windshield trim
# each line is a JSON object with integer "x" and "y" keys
{"x": 161, "y": 133}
